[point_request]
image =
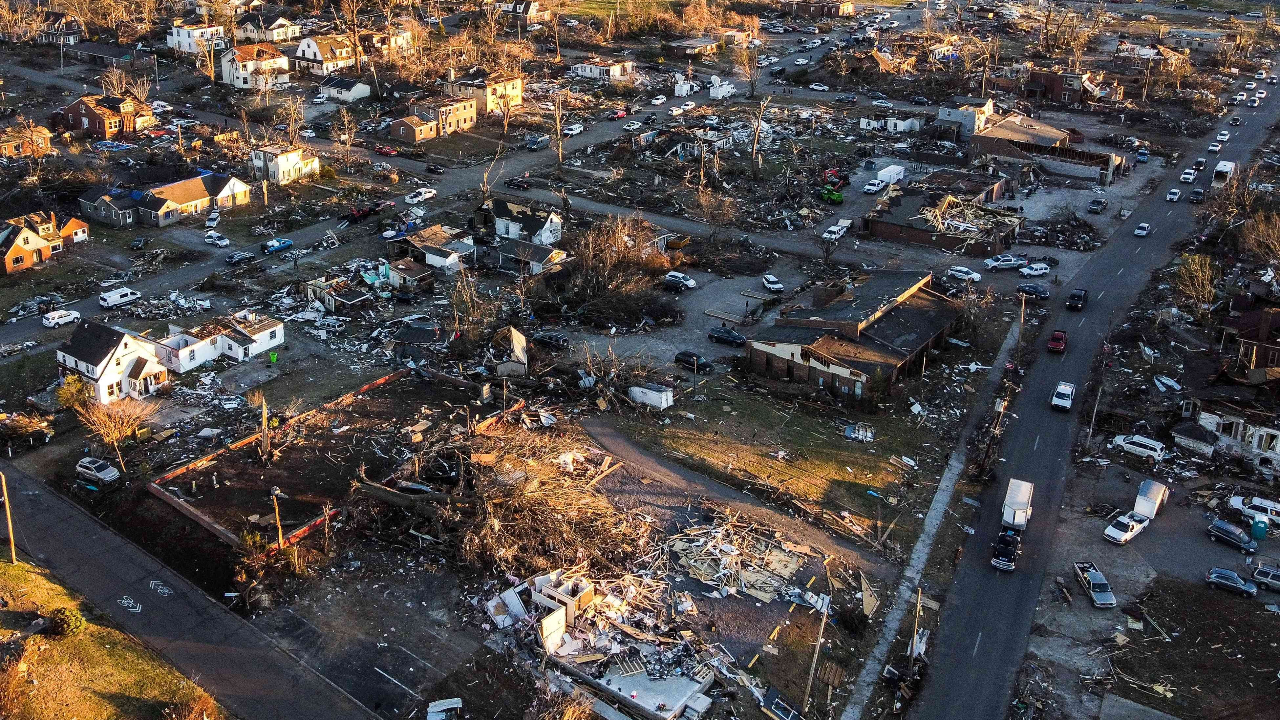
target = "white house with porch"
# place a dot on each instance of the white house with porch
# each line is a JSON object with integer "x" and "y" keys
{"x": 115, "y": 363}
{"x": 240, "y": 336}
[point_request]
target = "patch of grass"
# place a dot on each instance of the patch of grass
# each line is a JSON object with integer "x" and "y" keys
{"x": 740, "y": 433}
{"x": 97, "y": 674}
{"x": 25, "y": 376}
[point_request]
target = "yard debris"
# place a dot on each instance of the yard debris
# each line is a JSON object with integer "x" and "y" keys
{"x": 735, "y": 555}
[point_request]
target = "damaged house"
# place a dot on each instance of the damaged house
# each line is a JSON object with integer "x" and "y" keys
{"x": 439, "y": 246}
{"x": 1019, "y": 139}
{"x": 867, "y": 328}
{"x": 1070, "y": 87}
{"x": 1234, "y": 421}
{"x": 512, "y": 221}
{"x": 114, "y": 362}
{"x": 238, "y": 336}
{"x": 926, "y": 217}
{"x": 970, "y": 187}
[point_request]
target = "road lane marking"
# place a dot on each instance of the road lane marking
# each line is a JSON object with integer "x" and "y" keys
{"x": 1121, "y": 272}
{"x": 1037, "y": 445}
{"x": 1104, "y": 292}
{"x": 1081, "y": 323}
{"x": 1137, "y": 250}
{"x": 975, "y": 645}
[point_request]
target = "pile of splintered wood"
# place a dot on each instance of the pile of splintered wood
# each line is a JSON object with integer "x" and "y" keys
{"x": 736, "y": 555}
{"x": 530, "y": 522}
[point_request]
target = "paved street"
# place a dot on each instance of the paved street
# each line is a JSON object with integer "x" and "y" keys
{"x": 225, "y": 655}
{"x": 986, "y": 620}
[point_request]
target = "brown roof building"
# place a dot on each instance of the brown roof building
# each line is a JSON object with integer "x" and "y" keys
{"x": 108, "y": 116}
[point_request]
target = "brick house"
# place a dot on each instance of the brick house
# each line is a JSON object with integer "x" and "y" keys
{"x": 107, "y": 117}
{"x": 15, "y": 143}
{"x": 413, "y": 129}
{"x": 493, "y": 92}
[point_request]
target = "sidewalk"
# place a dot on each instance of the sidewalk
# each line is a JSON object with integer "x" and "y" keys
{"x": 234, "y": 662}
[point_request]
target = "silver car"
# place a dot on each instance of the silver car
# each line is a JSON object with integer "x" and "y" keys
{"x": 1228, "y": 580}
{"x": 97, "y": 470}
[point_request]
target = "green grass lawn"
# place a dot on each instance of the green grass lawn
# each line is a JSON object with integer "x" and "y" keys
{"x": 99, "y": 674}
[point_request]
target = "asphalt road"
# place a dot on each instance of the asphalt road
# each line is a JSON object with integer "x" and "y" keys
{"x": 227, "y": 656}
{"x": 986, "y": 621}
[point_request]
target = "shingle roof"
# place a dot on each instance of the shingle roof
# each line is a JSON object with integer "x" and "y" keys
{"x": 92, "y": 342}
{"x": 257, "y": 52}
{"x": 186, "y": 191}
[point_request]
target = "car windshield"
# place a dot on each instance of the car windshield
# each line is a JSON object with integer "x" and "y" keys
{"x": 1062, "y": 395}
{"x": 1121, "y": 524}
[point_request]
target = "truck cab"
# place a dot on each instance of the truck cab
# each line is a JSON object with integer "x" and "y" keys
{"x": 1013, "y": 520}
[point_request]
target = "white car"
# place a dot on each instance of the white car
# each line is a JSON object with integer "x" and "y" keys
{"x": 216, "y": 239}
{"x": 819, "y": 87}
{"x": 1143, "y": 230}
{"x": 1257, "y": 509}
{"x": 307, "y": 133}
{"x": 419, "y": 195}
{"x": 874, "y": 186}
{"x": 574, "y": 129}
{"x": 1125, "y": 528}
{"x": 97, "y": 470}
{"x": 1034, "y": 270}
{"x": 1260, "y": 75}
{"x": 1173, "y": 195}
{"x": 1250, "y": 85}
{"x": 1223, "y": 136}
{"x": 802, "y": 61}
{"x": 1260, "y": 94}
{"x": 688, "y": 105}
{"x": 882, "y": 104}
{"x": 1063, "y": 396}
{"x": 570, "y": 22}
{"x": 658, "y": 100}
{"x": 772, "y": 284}
{"x": 1004, "y": 262}
{"x": 60, "y": 317}
{"x": 676, "y": 112}
{"x": 534, "y": 27}
{"x": 1213, "y": 148}
{"x": 960, "y": 272}
{"x": 1140, "y": 446}
{"x": 683, "y": 279}
{"x": 319, "y": 100}
{"x": 632, "y": 126}
{"x": 1188, "y": 176}
{"x": 212, "y": 220}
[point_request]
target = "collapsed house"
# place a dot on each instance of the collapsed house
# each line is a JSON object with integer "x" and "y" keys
{"x": 1021, "y": 140}
{"x": 970, "y": 187}
{"x": 1232, "y": 421}
{"x": 940, "y": 220}
{"x": 854, "y": 331}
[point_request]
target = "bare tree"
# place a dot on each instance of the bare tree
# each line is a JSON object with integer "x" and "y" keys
{"x": 1196, "y": 281}
{"x": 291, "y": 115}
{"x": 207, "y": 58}
{"x": 116, "y": 422}
{"x": 34, "y": 139}
{"x": 345, "y": 129}
{"x": 747, "y": 62}
{"x": 559, "y": 118}
{"x": 1261, "y": 236}
{"x": 755, "y": 139}
{"x": 114, "y": 82}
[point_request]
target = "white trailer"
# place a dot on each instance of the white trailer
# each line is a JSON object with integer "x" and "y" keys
{"x": 892, "y": 174}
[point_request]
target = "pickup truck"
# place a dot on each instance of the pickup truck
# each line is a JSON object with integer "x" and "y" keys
{"x": 1063, "y": 396}
{"x": 1095, "y": 583}
{"x": 276, "y": 245}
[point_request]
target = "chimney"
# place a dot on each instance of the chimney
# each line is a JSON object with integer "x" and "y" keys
{"x": 451, "y": 75}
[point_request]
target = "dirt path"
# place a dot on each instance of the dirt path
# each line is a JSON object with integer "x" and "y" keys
{"x": 672, "y": 493}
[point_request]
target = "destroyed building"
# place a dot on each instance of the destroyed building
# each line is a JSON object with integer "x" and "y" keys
{"x": 439, "y": 246}
{"x": 971, "y": 187}
{"x": 926, "y": 217}
{"x": 1240, "y": 422}
{"x": 1019, "y": 139}
{"x": 853, "y": 331}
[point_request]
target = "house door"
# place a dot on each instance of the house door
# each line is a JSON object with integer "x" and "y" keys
{"x": 39, "y": 254}
{"x": 246, "y": 353}
{"x": 84, "y": 123}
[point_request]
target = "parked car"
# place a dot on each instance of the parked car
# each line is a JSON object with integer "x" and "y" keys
{"x": 882, "y": 104}
{"x": 1097, "y": 205}
{"x": 1223, "y": 531}
{"x": 59, "y": 317}
{"x": 1143, "y": 230}
{"x": 1229, "y": 580}
{"x": 1267, "y": 576}
{"x": 658, "y": 100}
{"x": 673, "y": 285}
{"x": 1034, "y": 270}
{"x": 307, "y": 133}
{"x": 1063, "y": 396}
{"x": 434, "y": 169}
{"x": 1196, "y": 197}
{"x": 517, "y": 183}
{"x": 960, "y": 272}
{"x": 1140, "y": 446}
{"x": 819, "y": 87}
{"x": 216, "y": 239}
{"x": 1174, "y": 195}
{"x": 96, "y": 470}
{"x": 238, "y": 257}
{"x": 632, "y": 126}
{"x": 1126, "y": 527}
{"x": 385, "y": 150}
{"x": 319, "y": 100}
{"x": 1256, "y": 509}
{"x": 1057, "y": 341}
{"x": 1032, "y": 290}
{"x": 801, "y": 62}
{"x": 574, "y": 129}
{"x": 874, "y": 186}
{"x": 726, "y": 335}
{"x": 212, "y": 220}
{"x": 919, "y": 100}
{"x": 694, "y": 362}
{"x": 772, "y": 284}
{"x": 419, "y": 195}
{"x": 1004, "y": 262}
{"x": 683, "y": 279}
{"x": 688, "y": 105}
{"x": 1077, "y": 299}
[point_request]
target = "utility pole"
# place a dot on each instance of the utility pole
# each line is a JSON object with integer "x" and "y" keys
{"x": 275, "y": 502}
{"x": 8, "y": 518}
{"x": 1094, "y": 416}
{"x": 915, "y": 633}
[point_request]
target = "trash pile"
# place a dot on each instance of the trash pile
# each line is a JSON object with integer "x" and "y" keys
{"x": 737, "y": 556}
{"x": 1069, "y": 233}
{"x": 164, "y": 307}
{"x": 38, "y": 304}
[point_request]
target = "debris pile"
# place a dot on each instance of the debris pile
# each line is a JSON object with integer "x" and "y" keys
{"x": 1069, "y": 233}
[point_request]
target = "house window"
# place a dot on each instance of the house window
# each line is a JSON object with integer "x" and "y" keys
{"x": 214, "y": 341}
{"x": 18, "y": 260}
{"x": 191, "y": 354}
{"x": 273, "y": 335}
{"x": 117, "y": 362}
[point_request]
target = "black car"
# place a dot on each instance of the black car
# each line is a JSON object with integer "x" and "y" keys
{"x": 1229, "y": 580}
{"x": 1196, "y": 196}
{"x": 553, "y": 340}
{"x": 726, "y": 335}
{"x": 1097, "y": 205}
{"x": 877, "y": 95}
{"x": 695, "y": 362}
{"x": 1033, "y": 290}
{"x": 1235, "y": 120}
{"x": 433, "y": 169}
{"x": 516, "y": 183}
{"x": 847, "y": 98}
{"x": 1223, "y": 531}
{"x": 673, "y": 285}
{"x": 919, "y": 100}
{"x": 1199, "y": 164}
{"x": 236, "y": 258}
{"x": 1078, "y": 299}
{"x": 139, "y": 243}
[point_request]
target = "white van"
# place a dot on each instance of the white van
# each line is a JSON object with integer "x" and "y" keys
{"x": 1140, "y": 446}
{"x": 1256, "y": 508}
{"x": 119, "y": 296}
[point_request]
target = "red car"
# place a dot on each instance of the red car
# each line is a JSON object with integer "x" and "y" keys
{"x": 384, "y": 150}
{"x": 1058, "y": 341}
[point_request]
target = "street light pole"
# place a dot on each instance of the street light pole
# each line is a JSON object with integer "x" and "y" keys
{"x": 8, "y": 518}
